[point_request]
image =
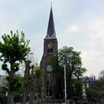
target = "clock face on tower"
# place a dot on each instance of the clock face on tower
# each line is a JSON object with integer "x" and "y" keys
{"x": 49, "y": 68}
{"x": 50, "y": 45}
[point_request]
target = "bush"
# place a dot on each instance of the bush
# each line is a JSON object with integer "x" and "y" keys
{"x": 3, "y": 99}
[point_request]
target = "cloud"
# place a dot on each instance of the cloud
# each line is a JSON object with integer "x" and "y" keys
{"x": 77, "y": 23}
{"x": 72, "y": 28}
{"x": 97, "y": 25}
{"x": 97, "y": 31}
{"x": 93, "y": 61}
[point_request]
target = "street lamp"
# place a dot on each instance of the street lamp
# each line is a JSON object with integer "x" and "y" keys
{"x": 70, "y": 64}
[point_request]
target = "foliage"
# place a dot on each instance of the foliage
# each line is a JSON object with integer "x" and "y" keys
{"x": 57, "y": 69}
{"x": 32, "y": 77}
{"x": 15, "y": 84}
{"x": 3, "y": 90}
{"x": 102, "y": 74}
{"x": 38, "y": 72}
{"x": 77, "y": 87}
{"x": 13, "y": 49}
{"x": 2, "y": 99}
{"x": 96, "y": 93}
{"x": 71, "y": 101}
{"x": 67, "y": 56}
{"x": 72, "y": 60}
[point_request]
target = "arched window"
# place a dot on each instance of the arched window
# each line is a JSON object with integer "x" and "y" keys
{"x": 50, "y": 48}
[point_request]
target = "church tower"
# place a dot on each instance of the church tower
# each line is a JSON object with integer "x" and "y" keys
{"x": 50, "y": 43}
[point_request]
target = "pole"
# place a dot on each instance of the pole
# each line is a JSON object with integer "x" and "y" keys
{"x": 65, "y": 83}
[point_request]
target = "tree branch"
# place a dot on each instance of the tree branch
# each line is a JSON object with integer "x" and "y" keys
{"x": 4, "y": 67}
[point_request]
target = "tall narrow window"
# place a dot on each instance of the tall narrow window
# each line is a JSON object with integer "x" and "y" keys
{"x": 50, "y": 48}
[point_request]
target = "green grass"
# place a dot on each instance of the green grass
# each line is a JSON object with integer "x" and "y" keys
{"x": 48, "y": 103}
{"x": 52, "y": 103}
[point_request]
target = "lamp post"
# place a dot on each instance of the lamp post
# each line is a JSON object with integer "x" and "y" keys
{"x": 65, "y": 82}
{"x": 70, "y": 64}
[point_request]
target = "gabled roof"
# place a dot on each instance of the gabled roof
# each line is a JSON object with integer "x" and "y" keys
{"x": 88, "y": 78}
{"x": 51, "y": 28}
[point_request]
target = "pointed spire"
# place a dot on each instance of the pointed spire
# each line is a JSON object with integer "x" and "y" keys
{"x": 51, "y": 28}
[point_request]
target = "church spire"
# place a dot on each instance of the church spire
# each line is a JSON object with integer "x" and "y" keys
{"x": 51, "y": 28}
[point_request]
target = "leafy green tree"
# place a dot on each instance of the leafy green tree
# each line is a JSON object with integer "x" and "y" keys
{"x": 96, "y": 92}
{"x": 77, "y": 89}
{"x": 37, "y": 82}
{"x": 15, "y": 84}
{"x": 32, "y": 81}
{"x": 102, "y": 74}
{"x": 14, "y": 50}
{"x": 67, "y": 56}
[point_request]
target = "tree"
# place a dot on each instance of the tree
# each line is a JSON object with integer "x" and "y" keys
{"x": 13, "y": 51}
{"x": 36, "y": 86}
{"x": 3, "y": 91}
{"x": 102, "y": 74}
{"x": 32, "y": 81}
{"x": 67, "y": 56}
{"x": 96, "y": 92}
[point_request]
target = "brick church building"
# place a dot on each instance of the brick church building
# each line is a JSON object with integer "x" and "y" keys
{"x": 50, "y": 42}
{"x": 50, "y": 48}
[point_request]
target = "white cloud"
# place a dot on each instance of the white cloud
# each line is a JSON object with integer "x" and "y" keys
{"x": 97, "y": 25}
{"x": 98, "y": 36}
{"x": 97, "y": 31}
{"x": 93, "y": 61}
{"x": 71, "y": 29}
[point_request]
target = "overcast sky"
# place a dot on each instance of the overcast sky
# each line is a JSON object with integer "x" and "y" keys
{"x": 78, "y": 24}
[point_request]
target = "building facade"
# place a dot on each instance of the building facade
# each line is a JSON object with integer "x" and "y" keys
{"x": 50, "y": 42}
{"x": 50, "y": 48}
{"x": 88, "y": 81}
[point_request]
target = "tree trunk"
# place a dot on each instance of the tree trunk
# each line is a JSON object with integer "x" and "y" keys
{"x": 24, "y": 95}
{"x": 32, "y": 97}
{"x": 10, "y": 99}
{"x": 37, "y": 98}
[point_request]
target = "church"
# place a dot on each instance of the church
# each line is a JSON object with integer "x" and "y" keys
{"x": 50, "y": 42}
{"x": 49, "y": 49}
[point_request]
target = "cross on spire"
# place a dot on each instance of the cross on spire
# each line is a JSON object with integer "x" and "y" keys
{"x": 51, "y": 3}
{"x": 51, "y": 28}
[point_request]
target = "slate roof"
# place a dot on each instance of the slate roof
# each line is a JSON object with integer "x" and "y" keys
{"x": 51, "y": 28}
{"x": 90, "y": 79}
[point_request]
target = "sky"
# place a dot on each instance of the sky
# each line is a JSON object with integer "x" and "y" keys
{"x": 78, "y": 24}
